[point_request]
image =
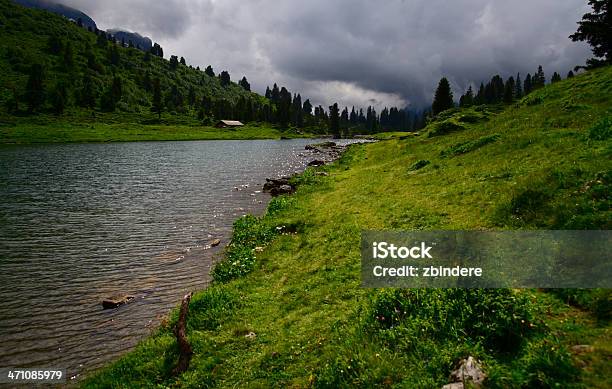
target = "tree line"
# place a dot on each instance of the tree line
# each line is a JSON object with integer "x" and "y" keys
{"x": 496, "y": 91}
{"x": 82, "y": 80}
{"x": 594, "y": 28}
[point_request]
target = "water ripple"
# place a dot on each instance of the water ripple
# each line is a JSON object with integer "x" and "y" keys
{"x": 79, "y": 223}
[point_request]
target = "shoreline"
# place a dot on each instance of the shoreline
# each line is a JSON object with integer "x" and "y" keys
{"x": 324, "y": 150}
{"x": 68, "y": 133}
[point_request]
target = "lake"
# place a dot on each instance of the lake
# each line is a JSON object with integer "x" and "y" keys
{"x": 82, "y": 222}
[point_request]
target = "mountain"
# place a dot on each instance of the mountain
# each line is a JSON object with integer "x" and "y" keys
{"x": 140, "y": 42}
{"x": 60, "y": 9}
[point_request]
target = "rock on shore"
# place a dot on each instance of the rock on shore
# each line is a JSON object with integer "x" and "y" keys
{"x": 116, "y": 301}
{"x": 325, "y": 152}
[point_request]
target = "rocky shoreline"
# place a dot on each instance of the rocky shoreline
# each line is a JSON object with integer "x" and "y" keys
{"x": 319, "y": 154}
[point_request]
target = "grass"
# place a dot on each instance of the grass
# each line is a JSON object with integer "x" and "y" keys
{"x": 62, "y": 132}
{"x": 300, "y": 295}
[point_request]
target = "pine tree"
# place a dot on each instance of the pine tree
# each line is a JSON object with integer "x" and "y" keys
{"x": 570, "y": 74}
{"x": 59, "y": 97}
{"x": 469, "y": 97}
{"x": 114, "y": 56}
{"x": 88, "y": 94}
{"x": 539, "y": 80}
{"x": 224, "y": 77}
{"x": 275, "y": 94}
{"x": 297, "y": 115}
{"x": 480, "y": 96}
{"x": 556, "y": 77}
{"x": 92, "y": 62}
{"x": 209, "y": 71}
{"x": 117, "y": 89}
{"x": 596, "y": 28}
{"x": 147, "y": 84}
{"x": 175, "y": 98}
{"x": 307, "y": 107}
{"x": 344, "y": 121}
{"x": 498, "y": 88}
{"x": 12, "y": 104}
{"x": 157, "y": 50}
{"x": 527, "y": 85}
{"x": 157, "y": 98}
{"x": 509, "y": 91}
{"x": 68, "y": 57}
{"x": 191, "y": 97}
{"x": 334, "y": 120}
{"x": 283, "y": 107}
{"x": 174, "y": 62}
{"x": 518, "y": 92}
{"x": 55, "y": 44}
{"x": 35, "y": 88}
{"x": 443, "y": 98}
{"x": 371, "y": 120}
{"x": 101, "y": 41}
{"x": 467, "y": 100}
{"x": 183, "y": 62}
{"x": 244, "y": 83}
{"x": 112, "y": 95}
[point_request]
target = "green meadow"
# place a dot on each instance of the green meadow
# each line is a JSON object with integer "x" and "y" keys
{"x": 286, "y": 308}
{"x": 49, "y": 130}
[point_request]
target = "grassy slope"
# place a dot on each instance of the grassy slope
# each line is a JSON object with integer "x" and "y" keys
{"x": 315, "y": 326}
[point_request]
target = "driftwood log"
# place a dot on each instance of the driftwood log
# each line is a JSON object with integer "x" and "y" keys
{"x": 185, "y": 350}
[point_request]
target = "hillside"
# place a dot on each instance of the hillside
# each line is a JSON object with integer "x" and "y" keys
{"x": 294, "y": 315}
{"x": 54, "y": 75}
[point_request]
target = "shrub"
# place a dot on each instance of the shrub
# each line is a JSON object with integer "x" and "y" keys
{"x": 602, "y": 130}
{"x": 532, "y": 100}
{"x": 545, "y": 364}
{"x": 526, "y": 204}
{"x": 249, "y": 232}
{"x": 466, "y": 147}
{"x": 445, "y": 127}
{"x": 471, "y": 118}
{"x": 597, "y": 301}
{"x": 279, "y": 204}
{"x": 420, "y": 164}
{"x": 497, "y": 318}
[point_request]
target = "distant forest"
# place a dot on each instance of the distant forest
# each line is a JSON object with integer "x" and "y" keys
{"x": 52, "y": 65}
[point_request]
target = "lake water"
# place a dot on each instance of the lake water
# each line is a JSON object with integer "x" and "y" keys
{"x": 81, "y": 222}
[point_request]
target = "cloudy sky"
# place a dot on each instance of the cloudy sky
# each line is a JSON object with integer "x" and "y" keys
{"x": 357, "y": 52}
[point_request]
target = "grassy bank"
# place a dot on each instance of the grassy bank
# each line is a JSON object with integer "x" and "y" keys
{"x": 286, "y": 309}
{"x": 52, "y": 131}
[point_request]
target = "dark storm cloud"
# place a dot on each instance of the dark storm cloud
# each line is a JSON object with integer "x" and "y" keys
{"x": 358, "y": 52}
